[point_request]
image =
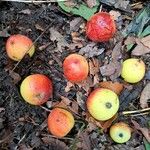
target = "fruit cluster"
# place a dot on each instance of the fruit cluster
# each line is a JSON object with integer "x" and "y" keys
{"x": 102, "y": 103}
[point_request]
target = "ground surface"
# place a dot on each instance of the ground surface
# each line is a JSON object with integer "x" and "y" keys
{"x": 23, "y": 126}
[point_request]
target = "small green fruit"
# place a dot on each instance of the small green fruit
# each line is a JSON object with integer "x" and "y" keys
{"x": 133, "y": 70}
{"x": 120, "y": 132}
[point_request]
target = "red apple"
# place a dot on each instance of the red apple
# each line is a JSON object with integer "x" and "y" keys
{"x": 75, "y": 68}
{"x": 60, "y": 122}
{"x": 18, "y": 45}
{"x": 36, "y": 89}
{"x": 101, "y": 27}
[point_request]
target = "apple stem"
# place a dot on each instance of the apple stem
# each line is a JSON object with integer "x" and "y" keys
{"x": 146, "y": 110}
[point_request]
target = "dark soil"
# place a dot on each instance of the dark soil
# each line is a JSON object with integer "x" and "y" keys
{"x": 23, "y": 126}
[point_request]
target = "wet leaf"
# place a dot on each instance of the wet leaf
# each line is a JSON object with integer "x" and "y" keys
{"x": 137, "y": 24}
{"x": 91, "y": 50}
{"x": 80, "y": 9}
{"x": 145, "y": 96}
{"x": 145, "y": 131}
{"x": 114, "y": 86}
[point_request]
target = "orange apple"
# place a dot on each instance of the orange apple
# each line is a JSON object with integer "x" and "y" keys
{"x": 18, "y": 45}
{"x": 75, "y": 68}
{"x": 102, "y": 104}
{"x": 60, "y": 122}
{"x": 36, "y": 89}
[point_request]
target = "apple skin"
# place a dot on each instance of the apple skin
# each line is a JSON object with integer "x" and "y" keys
{"x": 101, "y": 27}
{"x": 75, "y": 68}
{"x": 18, "y": 45}
{"x": 102, "y": 104}
{"x": 36, "y": 89}
{"x": 120, "y": 132}
{"x": 133, "y": 70}
{"x": 60, "y": 122}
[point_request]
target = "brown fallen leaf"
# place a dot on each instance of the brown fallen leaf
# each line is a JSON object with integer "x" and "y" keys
{"x": 114, "y": 86}
{"x": 15, "y": 76}
{"x": 115, "y": 14}
{"x": 56, "y": 36}
{"x": 116, "y": 53}
{"x": 54, "y": 143}
{"x": 91, "y": 3}
{"x": 75, "y": 23}
{"x": 143, "y": 46}
{"x": 145, "y": 96}
{"x": 80, "y": 101}
{"x": 113, "y": 70}
{"x": 91, "y": 50}
{"x": 69, "y": 86}
{"x": 145, "y": 131}
{"x": 38, "y": 27}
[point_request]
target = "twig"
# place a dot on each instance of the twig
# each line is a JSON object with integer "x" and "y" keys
{"x": 145, "y": 113}
{"x": 136, "y": 111}
{"x": 29, "y": 48}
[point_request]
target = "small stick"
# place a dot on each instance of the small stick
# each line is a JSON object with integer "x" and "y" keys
{"x": 145, "y": 113}
{"x": 33, "y": 1}
{"x": 135, "y": 111}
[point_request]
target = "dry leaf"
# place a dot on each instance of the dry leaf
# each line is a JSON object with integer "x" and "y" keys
{"x": 26, "y": 11}
{"x": 69, "y": 86}
{"x": 115, "y": 14}
{"x": 145, "y": 96}
{"x": 91, "y": 3}
{"x": 91, "y": 50}
{"x": 145, "y": 131}
{"x": 56, "y": 36}
{"x": 15, "y": 76}
{"x": 116, "y": 53}
{"x": 38, "y": 27}
{"x": 143, "y": 46}
{"x": 113, "y": 70}
{"x": 75, "y": 24}
{"x": 114, "y": 86}
{"x": 80, "y": 100}
{"x": 55, "y": 143}
{"x": 2, "y": 109}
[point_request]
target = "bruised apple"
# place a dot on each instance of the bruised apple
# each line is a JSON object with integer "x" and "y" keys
{"x": 101, "y": 27}
{"x": 18, "y": 45}
{"x": 120, "y": 132}
{"x": 60, "y": 122}
{"x": 75, "y": 68}
{"x": 102, "y": 104}
{"x": 36, "y": 89}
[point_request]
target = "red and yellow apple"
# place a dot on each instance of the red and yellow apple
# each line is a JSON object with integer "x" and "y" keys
{"x": 36, "y": 89}
{"x": 18, "y": 45}
{"x": 120, "y": 132}
{"x": 75, "y": 68}
{"x": 102, "y": 104}
{"x": 60, "y": 122}
{"x": 101, "y": 27}
{"x": 133, "y": 70}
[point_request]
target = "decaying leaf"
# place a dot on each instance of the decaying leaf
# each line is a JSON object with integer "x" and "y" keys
{"x": 56, "y": 36}
{"x": 114, "y": 86}
{"x": 143, "y": 46}
{"x": 54, "y": 143}
{"x": 113, "y": 70}
{"x": 145, "y": 96}
{"x": 91, "y": 50}
{"x": 145, "y": 131}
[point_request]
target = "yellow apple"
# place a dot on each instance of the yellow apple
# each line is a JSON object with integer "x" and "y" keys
{"x": 120, "y": 132}
{"x": 133, "y": 70}
{"x": 102, "y": 104}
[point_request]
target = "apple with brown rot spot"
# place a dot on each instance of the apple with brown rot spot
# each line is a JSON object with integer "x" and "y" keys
{"x": 75, "y": 68}
{"x": 18, "y": 45}
{"x": 60, "y": 122}
{"x": 36, "y": 89}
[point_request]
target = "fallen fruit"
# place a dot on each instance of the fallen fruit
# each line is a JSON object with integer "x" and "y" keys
{"x": 133, "y": 70}
{"x": 60, "y": 122}
{"x": 75, "y": 68}
{"x": 101, "y": 27}
{"x": 36, "y": 89}
{"x": 18, "y": 45}
{"x": 120, "y": 132}
{"x": 114, "y": 86}
{"x": 102, "y": 104}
